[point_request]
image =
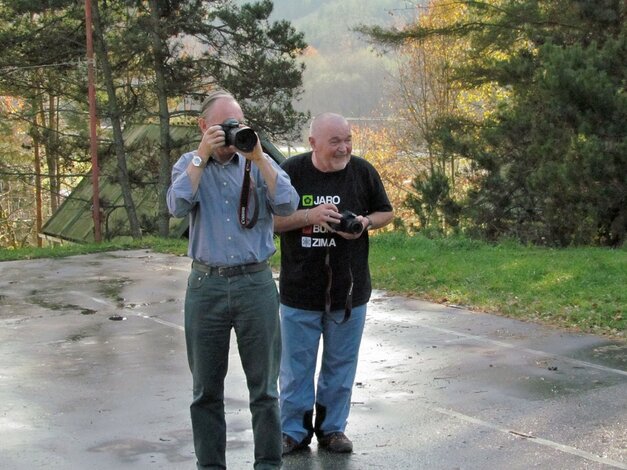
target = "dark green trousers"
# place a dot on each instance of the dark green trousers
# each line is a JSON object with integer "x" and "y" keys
{"x": 249, "y": 305}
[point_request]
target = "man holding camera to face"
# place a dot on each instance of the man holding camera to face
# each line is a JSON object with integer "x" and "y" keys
{"x": 230, "y": 190}
{"x": 325, "y": 283}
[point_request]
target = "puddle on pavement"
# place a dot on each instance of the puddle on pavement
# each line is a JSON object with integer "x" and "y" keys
{"x": 541, "y": 388}
{"x": 538, "y": 379}
{"x": 112, "y": 289}
{"x": 561, "y": 382}
{"x": 612, "y": 355}
{"x": 90, "y": 333}
{"x": 109, "y": 288}
{"x": 76, "y": 338}
{"x": 57, "y": 306}
{"x": 147, "y": 304}
{"x": 170, "y": 445}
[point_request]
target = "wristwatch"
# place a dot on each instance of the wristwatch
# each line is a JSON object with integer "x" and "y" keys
{"x": 369, "y": 224}
{"x": 197, "y": 161}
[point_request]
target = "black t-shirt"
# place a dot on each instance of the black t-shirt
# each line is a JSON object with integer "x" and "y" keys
{"x": 303, "y": 281}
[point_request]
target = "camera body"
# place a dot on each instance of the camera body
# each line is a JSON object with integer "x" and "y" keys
{"x": 244, "y": 139}
{"x": 348, "y": 223}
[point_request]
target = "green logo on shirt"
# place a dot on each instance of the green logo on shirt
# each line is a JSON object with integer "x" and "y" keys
{"x": 308, "y": 200}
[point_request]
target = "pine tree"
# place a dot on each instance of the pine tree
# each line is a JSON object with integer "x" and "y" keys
{"x": 551, "y": 162}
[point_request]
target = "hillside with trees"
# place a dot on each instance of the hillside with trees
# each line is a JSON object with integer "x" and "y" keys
{"x": 343, "y": 73}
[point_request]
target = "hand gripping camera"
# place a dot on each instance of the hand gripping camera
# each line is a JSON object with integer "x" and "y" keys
{"x": 348, "y": 223}
{"x": 244, "y": 139}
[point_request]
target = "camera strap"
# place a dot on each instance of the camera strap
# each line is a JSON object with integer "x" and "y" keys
{"x": 327, "y": 294}
{"x": 248, "y": 186}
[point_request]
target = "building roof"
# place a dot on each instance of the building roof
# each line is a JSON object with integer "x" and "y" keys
{"x": 73, "y": 220}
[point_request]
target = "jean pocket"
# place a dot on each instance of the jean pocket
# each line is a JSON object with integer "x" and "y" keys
{"x": 196, "y": 279}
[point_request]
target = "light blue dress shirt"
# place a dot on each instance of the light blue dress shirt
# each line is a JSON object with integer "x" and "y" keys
{"x": 216, "y": 237}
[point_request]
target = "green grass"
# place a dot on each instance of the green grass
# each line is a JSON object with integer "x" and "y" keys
{"x": 581, "y": 288}
{"x": 575, "y": 288}
{"x": 162, "y": 245}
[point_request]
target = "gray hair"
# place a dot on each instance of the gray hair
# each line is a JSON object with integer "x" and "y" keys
{"x": 214, "y": 96}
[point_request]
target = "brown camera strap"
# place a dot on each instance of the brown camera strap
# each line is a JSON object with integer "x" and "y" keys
{"x": 248, "y": 186}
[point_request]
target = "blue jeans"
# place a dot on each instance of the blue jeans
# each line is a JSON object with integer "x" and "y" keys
{"x": 248, "y": 304}
{"x": 301, "y": 331}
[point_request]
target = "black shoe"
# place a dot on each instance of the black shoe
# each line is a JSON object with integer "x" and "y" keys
{"x": 290, "y": 445}
{"x": 336, "y": 442}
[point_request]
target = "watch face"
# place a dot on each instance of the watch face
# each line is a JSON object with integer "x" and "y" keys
{"x": 196, "y": 161}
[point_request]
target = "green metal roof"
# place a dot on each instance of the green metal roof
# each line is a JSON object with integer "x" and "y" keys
{"x": 73, "y": 220}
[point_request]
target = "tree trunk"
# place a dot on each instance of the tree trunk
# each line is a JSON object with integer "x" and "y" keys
{"x": 114, "y": 112}
{"x": 48, "y": 133}
{"x": 52, "y": 155}
{"x": 38, "y": 192}
{"x": 164, "y": 119}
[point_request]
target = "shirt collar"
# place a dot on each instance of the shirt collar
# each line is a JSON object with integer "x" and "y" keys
{"x": 233, "y": 160}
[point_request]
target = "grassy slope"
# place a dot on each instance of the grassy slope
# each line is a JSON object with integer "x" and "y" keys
{"x": 576, "y": 287}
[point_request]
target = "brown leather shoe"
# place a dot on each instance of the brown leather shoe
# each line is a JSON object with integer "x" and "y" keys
{"x": 290, "y": 445}
{"x": 336, "y": 442}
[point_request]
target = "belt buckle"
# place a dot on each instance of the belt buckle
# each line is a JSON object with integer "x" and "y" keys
{"x": 223, "y": 270}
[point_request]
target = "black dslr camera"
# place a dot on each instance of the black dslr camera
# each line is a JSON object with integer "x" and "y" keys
{"x": 348, "y": 223}
{"x": 244, "y": 139}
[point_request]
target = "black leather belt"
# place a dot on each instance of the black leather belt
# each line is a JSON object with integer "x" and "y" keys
{"x": 228, "y": 271}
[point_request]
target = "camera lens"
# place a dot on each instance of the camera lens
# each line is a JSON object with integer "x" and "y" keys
{"x": 348, "y": 223}
{"x": 354, "y": 227}
{"x": 244, "y": 139}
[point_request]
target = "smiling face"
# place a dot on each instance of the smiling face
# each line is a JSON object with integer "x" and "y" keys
{"x": 331, "y": 141}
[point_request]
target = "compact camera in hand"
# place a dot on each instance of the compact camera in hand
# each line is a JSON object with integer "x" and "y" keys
{"x": 244, "y": 139}
{"x": 348, "y": 223}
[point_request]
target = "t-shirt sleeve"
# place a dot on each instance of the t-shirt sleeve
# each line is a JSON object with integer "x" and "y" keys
{"x": 379, "y": 201}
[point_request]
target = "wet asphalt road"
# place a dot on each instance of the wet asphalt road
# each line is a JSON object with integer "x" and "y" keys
{"x": 93, "y": 375}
